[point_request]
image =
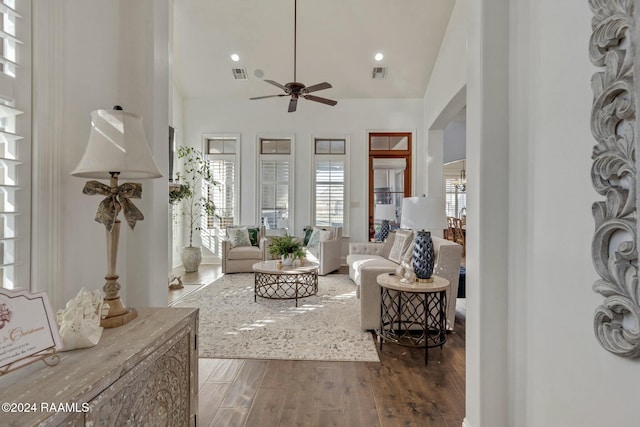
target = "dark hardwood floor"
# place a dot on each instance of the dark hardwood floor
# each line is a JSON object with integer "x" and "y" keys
{"x": 398, "y": 391}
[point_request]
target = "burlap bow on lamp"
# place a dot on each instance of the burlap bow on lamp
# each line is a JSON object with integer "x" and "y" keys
{"x": 117, "y": 148}
{"x": 117, "y": 200}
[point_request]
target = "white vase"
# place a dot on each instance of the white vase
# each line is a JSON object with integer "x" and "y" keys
{"x": 191, "y": 258}
{"x": 287, "y": 259}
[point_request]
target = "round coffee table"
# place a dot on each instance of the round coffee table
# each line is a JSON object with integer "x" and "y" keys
{"x": 285, "y": 282}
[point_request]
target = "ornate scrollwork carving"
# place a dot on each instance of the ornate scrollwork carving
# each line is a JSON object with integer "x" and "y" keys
{"x": 614, "y": 175}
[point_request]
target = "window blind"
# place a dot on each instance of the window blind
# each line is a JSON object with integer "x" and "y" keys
{"x": 274, "y": 174}
{"x": 15, "y": 151}
{"x": 455, "y": 200}
{"x": 329, "y": 193}
{"x": 223, "y": 194}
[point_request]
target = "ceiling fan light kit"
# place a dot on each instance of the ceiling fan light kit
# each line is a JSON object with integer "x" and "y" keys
{"x": 296, "y": 89}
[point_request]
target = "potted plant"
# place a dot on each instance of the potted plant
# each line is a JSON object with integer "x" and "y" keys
{"x": 287, "y": 248}
{"x": 193, "y": 205}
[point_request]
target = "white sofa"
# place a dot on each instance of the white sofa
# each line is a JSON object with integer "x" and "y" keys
{"x": 367, "y": 260}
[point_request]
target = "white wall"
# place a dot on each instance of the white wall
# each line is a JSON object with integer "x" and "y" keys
{"x": 570, "y": 379}
{"x": 454, "y": 142}
{"x": 444, "y": 98}
{"x": 110, "y": 53}
{"x": 350, "y": 118}
{"x": 176, "y": 236}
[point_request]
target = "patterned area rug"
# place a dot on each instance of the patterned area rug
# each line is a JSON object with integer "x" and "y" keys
{"x": 322, "y": 327}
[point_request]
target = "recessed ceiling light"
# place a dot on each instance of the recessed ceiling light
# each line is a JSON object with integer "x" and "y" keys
{"x": 235, "y": 57}
{"x": 378, "y": 56}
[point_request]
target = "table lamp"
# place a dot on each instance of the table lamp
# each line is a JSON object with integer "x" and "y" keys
{"x": 385, "y": 213}
{"x": 117, "y": 148}
{"x": 423, "y": 214}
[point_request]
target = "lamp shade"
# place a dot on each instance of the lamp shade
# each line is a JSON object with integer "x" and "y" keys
{"x": 117, "y": 143}
{"x": 423, "y": 213}
{"x": 383, "y": 211}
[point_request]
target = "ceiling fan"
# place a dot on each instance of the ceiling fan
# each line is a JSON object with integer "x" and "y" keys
{"x": 296, "y": 89}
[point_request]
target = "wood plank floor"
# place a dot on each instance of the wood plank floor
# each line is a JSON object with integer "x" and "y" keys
{"x": 398, "y": 391}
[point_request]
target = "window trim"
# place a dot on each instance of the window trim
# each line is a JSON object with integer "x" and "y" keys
{"x": 347, "y": 157}
{"x": 292, "y": 174}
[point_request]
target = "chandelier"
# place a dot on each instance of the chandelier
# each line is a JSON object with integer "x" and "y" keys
{"x": 461, "y": 183}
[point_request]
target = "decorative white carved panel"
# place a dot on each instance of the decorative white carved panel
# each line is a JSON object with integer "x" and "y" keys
{"x": 612, "y": 48}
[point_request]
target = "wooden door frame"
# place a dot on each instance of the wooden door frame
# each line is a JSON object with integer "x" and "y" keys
{"x": 396, "y": 154}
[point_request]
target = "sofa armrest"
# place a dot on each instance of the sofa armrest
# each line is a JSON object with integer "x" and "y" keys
{"x": 366, "y": 248}
{"x": 329, "y": 253}
{"x": 263, "y": 244}
{"x": 226, "y": 246}
{"x": 370, "y": 296}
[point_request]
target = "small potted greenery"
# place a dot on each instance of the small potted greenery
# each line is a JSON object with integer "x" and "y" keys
{"x": 287, "y": 248}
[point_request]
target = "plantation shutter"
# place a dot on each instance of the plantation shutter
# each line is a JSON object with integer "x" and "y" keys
{"x": 15, "y": 150}
{"x": 329, "y": 193}
{"x": 275, "y": 191}
{"x": 223, "y": 194}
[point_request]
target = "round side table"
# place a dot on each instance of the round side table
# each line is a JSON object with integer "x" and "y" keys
{"x": 413, "y": 314}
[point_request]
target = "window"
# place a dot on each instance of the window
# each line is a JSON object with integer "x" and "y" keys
{"x": 456, "y": 197}
{"x": 329, "y": 185}
{"x": 222, "y": 155}
{"x": 15, "y": 150}
{"x": 275, "y": 186}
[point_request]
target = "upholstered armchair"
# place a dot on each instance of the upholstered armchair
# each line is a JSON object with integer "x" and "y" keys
{"x": 324, "y": 246}
{"x": 243, "y": 247}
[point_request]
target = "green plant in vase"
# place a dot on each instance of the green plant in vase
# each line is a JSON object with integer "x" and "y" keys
{"x": 195, "y": 176}
{"x": 287, "y": 248}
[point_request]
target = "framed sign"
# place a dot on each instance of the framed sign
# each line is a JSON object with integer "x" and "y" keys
{"x": 28, "y": 330}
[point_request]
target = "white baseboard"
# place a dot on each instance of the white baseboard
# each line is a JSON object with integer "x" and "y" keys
{"x": 466, "y": 423}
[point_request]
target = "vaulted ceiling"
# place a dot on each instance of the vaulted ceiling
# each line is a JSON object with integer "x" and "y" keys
{"x": 336, "y": 42}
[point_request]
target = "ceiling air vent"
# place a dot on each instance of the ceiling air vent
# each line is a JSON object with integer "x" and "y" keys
{"x": 379, "y": 72}
{"x": 239, "y": 73}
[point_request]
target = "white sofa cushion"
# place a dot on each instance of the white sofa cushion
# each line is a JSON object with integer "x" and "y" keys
{"x": 245, "y": 252}
{"x": 356, "y": 262}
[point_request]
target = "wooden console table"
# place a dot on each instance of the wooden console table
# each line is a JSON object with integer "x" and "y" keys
{"x": 144, "y": 373}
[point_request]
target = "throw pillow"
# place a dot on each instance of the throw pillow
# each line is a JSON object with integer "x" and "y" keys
{"x": 253, "y": 235}
{"x": 407, "y": 256}
{"x": 307, "y": 236}
{"x": 401, "y": 242}
{"x": 318, "y": 236}
{"x": 239, "y": 236}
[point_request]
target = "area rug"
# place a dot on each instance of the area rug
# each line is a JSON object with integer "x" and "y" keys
{"x": 323, "y": 327}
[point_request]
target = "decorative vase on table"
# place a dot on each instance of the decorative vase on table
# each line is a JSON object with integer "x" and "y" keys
{"x": 191, "y": 258}
{"x": 384, "y": 230}
{"x": 287, "y": 259}
{"x": 423, "y": 256}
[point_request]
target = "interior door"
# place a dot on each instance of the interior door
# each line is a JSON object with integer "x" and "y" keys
{"x": 389, "y": 174}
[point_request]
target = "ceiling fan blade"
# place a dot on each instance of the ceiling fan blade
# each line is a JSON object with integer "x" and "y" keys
{"x": 276, "y": 84}
{"x": 319, "y": 86}
{"x": 320, "y": 99}
{"x": 269, "y": 96}
{"x": 293, "y": 104}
